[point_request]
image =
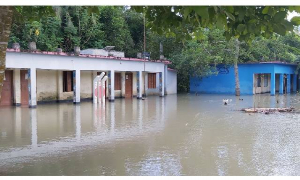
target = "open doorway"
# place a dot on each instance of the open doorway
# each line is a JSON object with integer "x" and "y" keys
{"x": 262, "y": 83}
{"x": 284, "y": 83}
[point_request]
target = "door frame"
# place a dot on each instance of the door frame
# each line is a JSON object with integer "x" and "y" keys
{"x": 126, "y": 82}
{"x": 9, "y": 71}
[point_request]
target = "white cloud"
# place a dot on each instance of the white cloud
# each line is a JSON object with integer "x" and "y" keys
{"x": 292, "y": 14}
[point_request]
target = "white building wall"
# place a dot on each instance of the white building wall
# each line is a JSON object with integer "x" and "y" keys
{"x": 262, "y": 89}
{"x": 17, "y": 86}
{"x": 86, "y": 84}
{"x": 46, "y": 85}
{"x": 134, "y": 84}
{"x": 58, "y": 62}
{"x": 50, "y": 76}
{"x": 171, "y": 84}
{"x": 156, "y": 90}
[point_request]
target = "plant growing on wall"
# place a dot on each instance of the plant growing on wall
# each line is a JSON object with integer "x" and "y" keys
{"x": 14, "y": 39}
{"x": 32, "y": 31}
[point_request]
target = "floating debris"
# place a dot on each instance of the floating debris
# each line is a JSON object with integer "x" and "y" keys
{"x": 268, "y": 110}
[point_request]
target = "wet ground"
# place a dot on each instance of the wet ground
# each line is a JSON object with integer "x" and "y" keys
{"x": 175, "y": 135}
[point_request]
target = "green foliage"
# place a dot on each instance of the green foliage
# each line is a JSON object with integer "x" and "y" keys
{"x": 116, "y": 31}
{"x": 200, "y": 57}
{"x": 194, "y": 38}
{"x": 135, "y": 23}
{"x": 32, "y": 13}
{"x": 277, "y": 48}
{"x": 243, "y": 22}
{"x": 51, "y": 36}
{"x": 87, "y": 27}
{"x": 31, "y": 31}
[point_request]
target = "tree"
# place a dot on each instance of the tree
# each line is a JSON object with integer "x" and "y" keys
{"x": 21, "y": 14}
{"x": 101, "y": 26}
{"x": 135, "y": 24}
{"x": 200, "y": 57}
{"x": 116, "y": 31}
{"x": 50, "y": 37}
{"x": 80, "y": 28}
{"x": 244, "y": 22}
{"x": 236, "y": 70}
{"x": 6, "y": 13}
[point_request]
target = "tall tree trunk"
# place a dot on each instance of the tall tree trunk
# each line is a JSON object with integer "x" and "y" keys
{"x": 236, "y": 70}
{"x": 6, "y": 13}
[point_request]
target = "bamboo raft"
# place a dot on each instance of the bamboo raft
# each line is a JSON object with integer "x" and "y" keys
{"x": 268, "y": 110}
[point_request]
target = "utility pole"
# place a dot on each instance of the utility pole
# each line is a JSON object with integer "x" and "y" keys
{"x": 144, "y": 53}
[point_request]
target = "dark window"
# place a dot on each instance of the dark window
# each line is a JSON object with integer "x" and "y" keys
{"x": 152, "y": 80}
{"x": 266, "y": 79}
{"x": 117, "y": 81}
{"x": 259, "y": 80}
{"x": 67, "y": 81}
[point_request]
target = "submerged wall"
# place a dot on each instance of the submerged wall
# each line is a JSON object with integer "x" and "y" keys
{"x": 86, "y": 82}
{"x": 46, "y": 85}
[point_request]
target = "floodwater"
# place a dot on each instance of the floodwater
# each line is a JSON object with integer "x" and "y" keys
{"x": 174, "y": 135}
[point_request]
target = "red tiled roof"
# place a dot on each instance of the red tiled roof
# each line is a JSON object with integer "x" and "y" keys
{"x": 88, "y": 56}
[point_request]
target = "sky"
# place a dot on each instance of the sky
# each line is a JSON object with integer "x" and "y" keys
{"x": 291, "y": 15}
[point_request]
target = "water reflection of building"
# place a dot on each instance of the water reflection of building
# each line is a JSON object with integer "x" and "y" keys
{"x": 53, "y": 128}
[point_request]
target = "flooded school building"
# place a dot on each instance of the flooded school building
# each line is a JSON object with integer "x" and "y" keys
{"x": 255, "y": 78}
{"x": 37, "y": 77}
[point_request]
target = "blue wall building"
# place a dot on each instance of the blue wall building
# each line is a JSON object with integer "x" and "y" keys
{"x": 255, "y": 78}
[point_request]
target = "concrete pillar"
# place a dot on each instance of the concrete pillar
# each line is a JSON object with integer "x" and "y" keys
{"x": 106, "y": 83}
{"x": 162, "y": 84}
{"x": 17, "y": 87}
{"x": 122, "y": 84}
{"x": 94, "y": 74}
{"x": 298, "y": 83}
{"x": 76, "y": 86}
{"x": 294, "y": 82}
{"x": 134, "y": 84}
{"x": 139, "y": 76}
{"x": 111, "y": 85}
{"x": 273, "y": 84}
{"x": 288, "y": 86}
{"x": 165, "y": 78}
{"x": 146, "y": 84}
{"x": 32, "y": 87}
{"x": 281, "y": 84}
{"x": 60, "y": 85}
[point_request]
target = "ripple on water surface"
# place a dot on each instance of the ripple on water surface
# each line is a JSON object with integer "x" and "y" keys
{"x": 174, "y": 135}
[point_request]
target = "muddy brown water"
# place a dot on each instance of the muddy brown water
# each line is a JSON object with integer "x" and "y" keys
{"x": 174, "y": 135}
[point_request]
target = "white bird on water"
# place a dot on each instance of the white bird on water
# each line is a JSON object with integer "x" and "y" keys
{"x": 226, "y": 101}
